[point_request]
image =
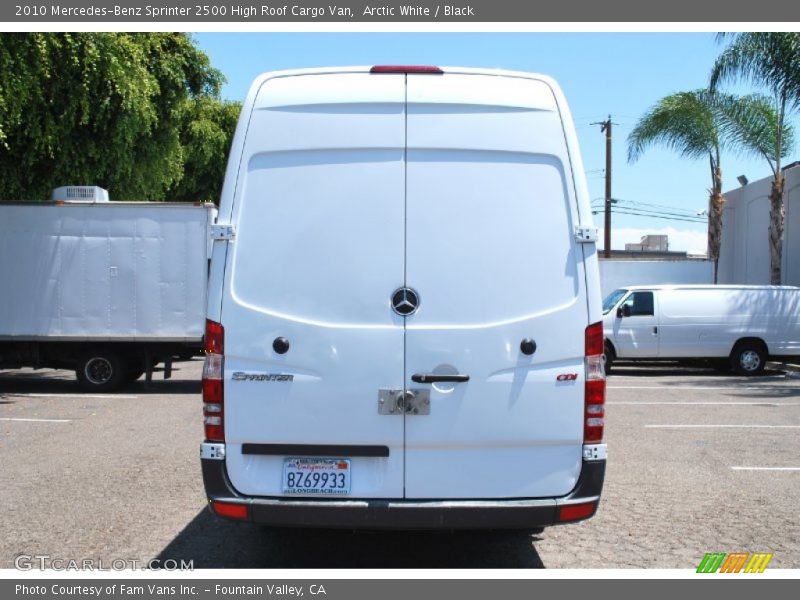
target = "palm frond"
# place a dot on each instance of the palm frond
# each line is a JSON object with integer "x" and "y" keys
{"x": 683, "y": 122}
{"x": 768, "y": 59}
{"x": 749, "y": 125}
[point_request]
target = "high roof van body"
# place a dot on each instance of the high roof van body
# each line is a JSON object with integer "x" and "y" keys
{"x": 404, "y": 318}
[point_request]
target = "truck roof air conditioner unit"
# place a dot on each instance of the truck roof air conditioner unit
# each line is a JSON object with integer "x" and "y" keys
{"x": 79, "y": 193}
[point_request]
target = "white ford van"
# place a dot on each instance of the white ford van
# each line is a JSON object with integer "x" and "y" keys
{"x": 404, "y": 319}
{"x": 734, "y": 326}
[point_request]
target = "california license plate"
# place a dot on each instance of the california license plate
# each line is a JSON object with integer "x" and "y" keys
{"x": 320, "y": 476}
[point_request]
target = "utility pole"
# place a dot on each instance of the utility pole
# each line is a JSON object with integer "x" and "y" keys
{"x": 606, "y": 128}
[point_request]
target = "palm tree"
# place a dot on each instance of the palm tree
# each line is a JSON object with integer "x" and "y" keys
{"x": 700, "y": 124}
{"x": 771, "y": 60}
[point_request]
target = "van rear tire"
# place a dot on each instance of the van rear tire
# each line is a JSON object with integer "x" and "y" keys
{"x": 748, "y": 358}
{"x": 100, "y": 370}
{"x": 610, "y": 355}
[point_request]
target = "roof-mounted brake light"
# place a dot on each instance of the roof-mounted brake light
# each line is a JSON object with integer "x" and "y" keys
{"x": 414, "y": 69}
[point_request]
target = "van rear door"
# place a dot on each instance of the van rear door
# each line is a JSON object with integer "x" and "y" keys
{"x": 319, "y": 211}
{"x": 490, "y": 252}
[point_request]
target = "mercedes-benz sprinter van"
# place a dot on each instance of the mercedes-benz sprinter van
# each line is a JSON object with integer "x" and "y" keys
{"x": 404, "y": 318}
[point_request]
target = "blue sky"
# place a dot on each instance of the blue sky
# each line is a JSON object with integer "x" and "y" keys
{"x": 621, "y": 74}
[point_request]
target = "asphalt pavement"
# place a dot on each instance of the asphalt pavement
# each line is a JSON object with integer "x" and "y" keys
{"x": 698, "y": 462}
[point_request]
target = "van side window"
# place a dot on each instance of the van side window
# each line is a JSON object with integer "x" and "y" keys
{"x": 641, "y": 304}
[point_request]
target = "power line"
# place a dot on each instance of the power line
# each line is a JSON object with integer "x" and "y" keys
{"x": 650, "y": 207}
{"x": 657, "y": 217}
{"x": 654, "y": 216}
{"x": 645, "y": 212}
{"x": 624, "y": 201}
{"x": 663, "y": 206}
{"x": 687, "y": 214}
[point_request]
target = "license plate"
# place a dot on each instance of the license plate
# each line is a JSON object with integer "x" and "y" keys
{"x": 318, "y": 476}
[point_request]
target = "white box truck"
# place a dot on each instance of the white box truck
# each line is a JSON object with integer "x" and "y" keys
{"x": 737, "y": 327}
{"x": 404, "y": 319}
{"x": 105, "y": 288}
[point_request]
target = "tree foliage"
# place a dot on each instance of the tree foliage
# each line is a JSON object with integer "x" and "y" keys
{"x": 106, "y": 109}
{"x": 767, "y": 59}
{"x": 703, "y": 123}
{"x": 206, "y": 135}
{"x": 770, "y": 60}
{"x": 683, "y": 122}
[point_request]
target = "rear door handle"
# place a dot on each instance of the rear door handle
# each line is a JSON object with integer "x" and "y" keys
{"x": 433, "y": 378}
{"x": 655, "y": 330}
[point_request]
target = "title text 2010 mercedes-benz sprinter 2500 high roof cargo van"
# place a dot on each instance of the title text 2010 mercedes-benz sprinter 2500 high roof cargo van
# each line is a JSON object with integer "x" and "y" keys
{"x": 404, "y": 319}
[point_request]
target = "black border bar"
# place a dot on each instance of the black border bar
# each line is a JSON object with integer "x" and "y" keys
{"x": 333, "y": 450}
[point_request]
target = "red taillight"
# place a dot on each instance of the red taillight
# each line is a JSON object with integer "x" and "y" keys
{"x": 421, "y": 69}
{"x": 231, "y": 510}
{"x": 594, "y": 339}
{"x": 213, "y": 385}
{"x": 576, "y": 512}
{"x": 215, "y": 338}
{"x": 595, "y": 387}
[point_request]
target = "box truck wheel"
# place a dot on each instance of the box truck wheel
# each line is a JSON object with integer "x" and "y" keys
{"x": 748, "y": 358}
{"x": 100, "y": 369}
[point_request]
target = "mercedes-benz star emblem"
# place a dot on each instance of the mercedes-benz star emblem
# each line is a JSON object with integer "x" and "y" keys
{"x": 405, "y": 301}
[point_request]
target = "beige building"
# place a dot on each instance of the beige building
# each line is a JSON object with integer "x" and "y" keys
{"x": 650, "y": 243}
{"x": 744, "y": 255}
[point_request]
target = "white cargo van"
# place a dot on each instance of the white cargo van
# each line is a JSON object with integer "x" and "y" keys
{"x": 404, "y": 307}
{"x": 734, "y": 326}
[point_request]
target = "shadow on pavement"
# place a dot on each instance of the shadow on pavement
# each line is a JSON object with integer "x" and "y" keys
{"x": 51, "y": 381}
{"x": 212, "y": 542}
{"x": 768, "y": 393}
{"x": 41, "y": 382}
{"x": 164, "y": 386}
{"x": 645, "y": 370}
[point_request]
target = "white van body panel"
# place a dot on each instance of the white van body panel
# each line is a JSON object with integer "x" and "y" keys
{"x": 104, "y": 271}
{"x": 344, "y": 186}
{"x": 703, "y": 321}
{"x": 314, "y": 158}
{"x": 469, "y": 252}
{"x": 638, "y": 335}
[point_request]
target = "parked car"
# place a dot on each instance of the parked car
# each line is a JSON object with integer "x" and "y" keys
{"x": 739, "y": 327}
{"x": 405, "y": 315}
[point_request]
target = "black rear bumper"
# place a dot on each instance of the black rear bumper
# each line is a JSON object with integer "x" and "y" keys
{"x": 408, "y": 514}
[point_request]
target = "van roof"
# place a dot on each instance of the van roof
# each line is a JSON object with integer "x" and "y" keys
{"x": 708, "y": 286}
{"x": 368, "y": 69}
